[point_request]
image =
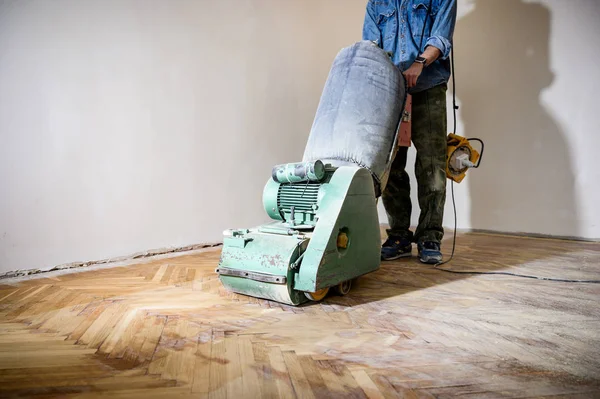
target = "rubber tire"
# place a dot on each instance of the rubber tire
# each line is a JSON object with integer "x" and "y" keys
{"x": 344, "y": 287}
{"x": 317, "y": 296}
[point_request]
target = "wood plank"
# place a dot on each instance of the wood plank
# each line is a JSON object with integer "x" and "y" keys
{"x": 299, "y": 381}
{"x": 314, "y": 377}
{"x": 218, "y": 367}
{"x": 366, "y": 384}
{"x": 233, "y": 369}
{"x": 408, "y": 330}
{"x": 152, "y": 337}
{"x": 101, "y": 328}
{"x": 248, "y": 365}
{"x": 265, "y": 371}
{"x": 160, "y": 273}
{"x": 201, "y": 382}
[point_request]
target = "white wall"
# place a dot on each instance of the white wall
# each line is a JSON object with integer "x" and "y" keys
{"x": 526, "y": 80}
{"x": 130, "y": 125}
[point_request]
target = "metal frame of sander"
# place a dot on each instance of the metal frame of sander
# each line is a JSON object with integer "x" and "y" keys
{"x": 324, "y": 235}
{"x": 325, "y": 231}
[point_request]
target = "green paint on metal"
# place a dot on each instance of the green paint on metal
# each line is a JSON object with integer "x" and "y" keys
{"x": 270, "y": 200}
{"x": 303, "y": 245}
{"x": 264, "y": 253}
{"x": 299, "y": 172}
{"x": 348, "y": 206}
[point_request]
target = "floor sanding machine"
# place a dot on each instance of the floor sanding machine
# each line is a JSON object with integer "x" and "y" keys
{"x": 326, "y": 233}
{"x": 325, "y": 229}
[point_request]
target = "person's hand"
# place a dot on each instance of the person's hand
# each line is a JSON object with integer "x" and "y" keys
{"x": 412, "y": 74}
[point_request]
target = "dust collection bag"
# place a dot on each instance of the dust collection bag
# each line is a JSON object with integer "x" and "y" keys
{"x": 359, "y": 112}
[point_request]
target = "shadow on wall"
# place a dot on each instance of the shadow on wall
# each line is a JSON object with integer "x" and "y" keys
{"x": 526, "y": 182}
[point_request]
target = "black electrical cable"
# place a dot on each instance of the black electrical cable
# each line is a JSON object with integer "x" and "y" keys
{"x": 480, "y": 152}
{"x": 454, "y": 233}
{"x": 437, "y": 266}
{"x": 562, "y": 280}
{"x": 454, "y": 108}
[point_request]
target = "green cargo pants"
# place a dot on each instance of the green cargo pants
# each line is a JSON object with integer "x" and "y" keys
{"x": 429, "y": 138}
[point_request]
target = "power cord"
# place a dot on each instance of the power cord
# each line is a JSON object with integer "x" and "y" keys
{"x": 561, "y": 280}
{"x": 474, "y": 272}
{"x": 454, "y": 108}
{"x": 480, "y": 151}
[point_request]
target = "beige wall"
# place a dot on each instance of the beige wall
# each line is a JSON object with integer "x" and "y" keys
{"x": 130, "y": 125}
{"x": 527, "y": 83}
{"x": 528, "y": 79}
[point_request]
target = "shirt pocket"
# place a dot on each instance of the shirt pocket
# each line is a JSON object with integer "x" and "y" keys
{"x": 387, "y": 22}
{"x": 420, "y": 19}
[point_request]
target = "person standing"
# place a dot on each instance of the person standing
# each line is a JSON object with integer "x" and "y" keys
{"x": 418, "y": 35}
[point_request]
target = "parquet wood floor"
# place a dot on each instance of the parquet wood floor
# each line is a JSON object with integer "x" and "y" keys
{"x": 166, "y": 328}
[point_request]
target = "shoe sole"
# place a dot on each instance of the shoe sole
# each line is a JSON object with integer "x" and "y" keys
{"x": 407, "y": 255}
{"x": 429, "y": 261}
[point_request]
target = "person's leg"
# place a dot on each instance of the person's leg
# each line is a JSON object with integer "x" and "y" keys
{"x": 396, "y": 201}
{"x": 429, "y": 137}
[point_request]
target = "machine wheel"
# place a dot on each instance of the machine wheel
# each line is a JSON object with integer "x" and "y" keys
{"x": 317, "y": 296}
{"x": 344, "y": 287}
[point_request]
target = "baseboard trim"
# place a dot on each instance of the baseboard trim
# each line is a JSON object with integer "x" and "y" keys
{"x": 166, "y": 251}
{"x": 529, "y": 235}
{"x": 136, "y": 256}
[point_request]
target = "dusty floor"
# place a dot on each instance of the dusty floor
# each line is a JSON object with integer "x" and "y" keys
{"x": 166, "y": 327}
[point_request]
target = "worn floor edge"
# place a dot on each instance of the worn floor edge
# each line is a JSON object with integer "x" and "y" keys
{"x": 18, "y": 275}
{"x": 123, "y": 261}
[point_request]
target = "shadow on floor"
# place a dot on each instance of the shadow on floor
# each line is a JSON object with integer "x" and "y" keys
{"x": 480, "y": 252}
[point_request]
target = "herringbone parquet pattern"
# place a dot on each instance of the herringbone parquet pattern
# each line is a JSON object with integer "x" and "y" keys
{"x": 166, "y": 328}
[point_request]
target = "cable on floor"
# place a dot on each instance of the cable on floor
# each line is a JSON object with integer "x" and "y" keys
{"x": 473, "y": 272}
{"x": 561, "y": 280}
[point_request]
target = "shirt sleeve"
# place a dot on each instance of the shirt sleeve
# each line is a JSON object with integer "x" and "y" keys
{"x": 443, "y": 28}
{"x": 370, "y": 29}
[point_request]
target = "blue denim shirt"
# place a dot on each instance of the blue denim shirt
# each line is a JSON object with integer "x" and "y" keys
{"x": 397, "y": 27}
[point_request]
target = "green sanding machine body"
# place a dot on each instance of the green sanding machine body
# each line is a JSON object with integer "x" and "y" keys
{"x": 325, "y": 233}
